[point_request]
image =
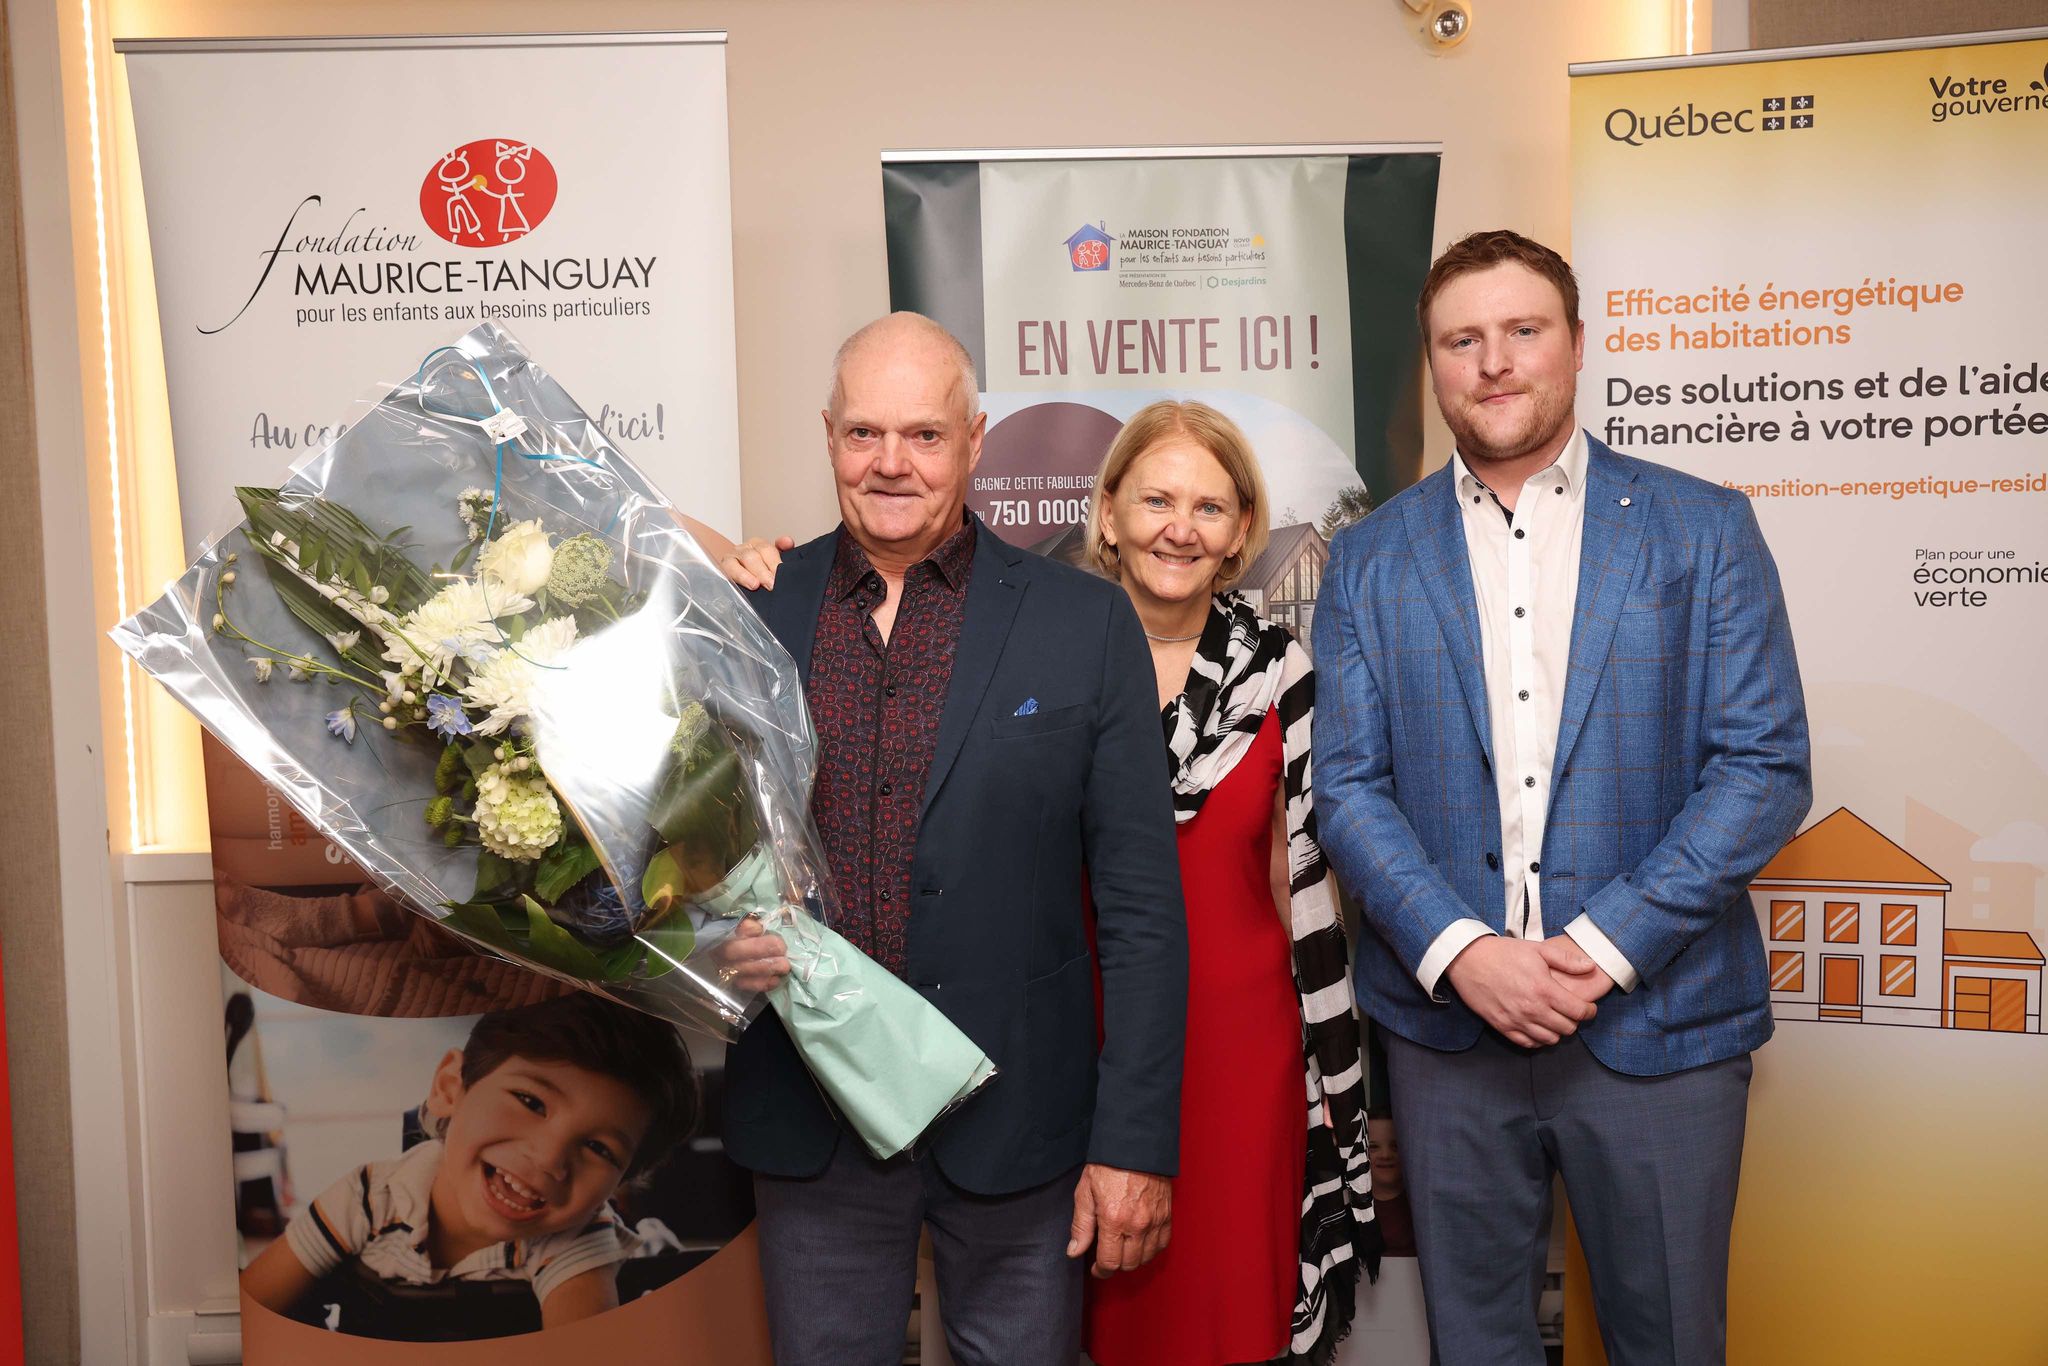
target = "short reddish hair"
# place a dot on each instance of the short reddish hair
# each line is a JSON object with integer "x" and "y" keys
{"x": 1494, "y": 247}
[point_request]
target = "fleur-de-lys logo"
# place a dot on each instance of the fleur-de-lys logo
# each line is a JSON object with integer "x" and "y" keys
{"x": 488, "y": 192}
{"x": 2041, "y": 84}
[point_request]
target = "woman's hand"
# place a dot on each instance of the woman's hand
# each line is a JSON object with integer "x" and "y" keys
{"x": 752, "y": 564}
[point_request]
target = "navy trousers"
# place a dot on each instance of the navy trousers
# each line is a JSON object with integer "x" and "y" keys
{"x": 1649, "y": 1166}
{"x": 839, "y": 1258}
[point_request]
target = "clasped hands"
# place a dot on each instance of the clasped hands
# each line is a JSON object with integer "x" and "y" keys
{"x": 1534, "y": 991}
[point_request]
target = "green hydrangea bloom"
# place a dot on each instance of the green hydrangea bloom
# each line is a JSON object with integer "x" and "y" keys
{"x": 517, "y": 816}
{"x": 451, "y": 771}
{"x": 580, "y": 570}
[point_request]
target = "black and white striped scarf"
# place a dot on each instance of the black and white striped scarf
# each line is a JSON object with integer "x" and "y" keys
{"x": 1243, "y": 668}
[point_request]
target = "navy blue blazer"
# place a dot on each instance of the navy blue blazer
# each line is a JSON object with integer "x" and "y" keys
{"x": 1681, "y": 763}
{"x": 1020, "y": 812}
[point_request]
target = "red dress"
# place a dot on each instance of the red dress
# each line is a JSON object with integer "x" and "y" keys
{"x": 1223, "y": 1291}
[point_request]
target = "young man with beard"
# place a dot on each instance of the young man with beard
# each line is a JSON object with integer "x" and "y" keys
{"x": 1560, "y": 729}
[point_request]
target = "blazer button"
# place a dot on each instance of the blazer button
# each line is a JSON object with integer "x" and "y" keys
{"x": 1493, "y": 861}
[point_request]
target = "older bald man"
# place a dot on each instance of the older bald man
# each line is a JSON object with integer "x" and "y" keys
{"x": 990, "y": 749}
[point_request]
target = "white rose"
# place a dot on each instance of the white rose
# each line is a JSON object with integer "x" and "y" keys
{"x": 518, "y": 560}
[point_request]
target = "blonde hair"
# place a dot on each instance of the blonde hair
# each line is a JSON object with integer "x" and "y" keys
{"x": 1213, "y": 432}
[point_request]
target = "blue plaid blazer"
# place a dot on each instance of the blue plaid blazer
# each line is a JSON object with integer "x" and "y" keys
{"x": 1681, "y": 761}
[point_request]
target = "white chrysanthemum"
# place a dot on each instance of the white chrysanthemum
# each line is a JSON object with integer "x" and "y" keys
{"x": 517, "y": 560}
{"x": 517, "y": 817}
{"x": 503, "y": 683}
{"x": 474, "y": 507}
{"x": 428, "y": 640}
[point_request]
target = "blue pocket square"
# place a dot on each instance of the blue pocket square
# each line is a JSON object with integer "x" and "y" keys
{"x": 1030, "y": 708}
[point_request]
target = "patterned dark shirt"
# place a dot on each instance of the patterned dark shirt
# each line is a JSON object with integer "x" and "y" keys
{"x": 876, "y": 707}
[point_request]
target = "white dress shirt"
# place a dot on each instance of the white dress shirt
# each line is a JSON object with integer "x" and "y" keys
{"x": 1525, "y": 580}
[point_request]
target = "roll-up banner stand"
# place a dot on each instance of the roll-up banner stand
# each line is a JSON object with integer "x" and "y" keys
{"x": 322, "y": 214}
{"x": 1277, "y": 283}
{"x": 1816, "y": 276}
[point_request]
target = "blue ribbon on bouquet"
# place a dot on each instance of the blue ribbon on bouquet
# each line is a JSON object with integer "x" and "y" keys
{"x": 500, "y": 445}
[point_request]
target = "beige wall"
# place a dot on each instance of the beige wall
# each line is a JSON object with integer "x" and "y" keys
{"x": 1801, "y": 23}
{"x": 817, "y": 90}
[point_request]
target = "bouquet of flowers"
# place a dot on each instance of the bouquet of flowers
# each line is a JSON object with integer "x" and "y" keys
{"x": 472, "y": 644}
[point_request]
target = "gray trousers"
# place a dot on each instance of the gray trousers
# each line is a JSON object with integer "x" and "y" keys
{"x": 1649, "y": 1165}
{"x": 839, "y": 1258}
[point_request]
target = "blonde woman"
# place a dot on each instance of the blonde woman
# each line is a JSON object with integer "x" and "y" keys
{"x": 1272, "y": 1215}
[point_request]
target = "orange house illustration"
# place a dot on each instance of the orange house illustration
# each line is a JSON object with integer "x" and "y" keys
{"x": 1857, "y": 931}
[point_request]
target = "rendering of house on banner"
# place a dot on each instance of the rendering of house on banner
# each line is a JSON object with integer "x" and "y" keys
{"x": 1857, "y": 931}
{"x": 1281, "y": 584}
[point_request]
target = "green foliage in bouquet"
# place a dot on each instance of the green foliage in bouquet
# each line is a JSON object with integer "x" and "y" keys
{"x": 702, "y": 813}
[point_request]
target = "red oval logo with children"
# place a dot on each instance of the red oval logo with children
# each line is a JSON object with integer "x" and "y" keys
{"x": 488, "y": 192}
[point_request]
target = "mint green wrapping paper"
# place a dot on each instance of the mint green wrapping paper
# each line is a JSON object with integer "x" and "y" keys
{"x": 892, "y": 1064}
{"x": 887, "y": 1059}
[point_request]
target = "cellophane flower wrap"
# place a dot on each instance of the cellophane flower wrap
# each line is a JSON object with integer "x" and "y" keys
{"x": 471, "y": 643}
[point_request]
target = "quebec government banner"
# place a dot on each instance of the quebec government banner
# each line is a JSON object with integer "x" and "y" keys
{"x": 1818, "y": 279}
{"x": 1278, "y": 284}
{"x": 573, "y": 190}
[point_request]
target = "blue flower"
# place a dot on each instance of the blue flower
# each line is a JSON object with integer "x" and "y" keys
{"x": 343, "y": 723}
{"x": 445, "y": 716}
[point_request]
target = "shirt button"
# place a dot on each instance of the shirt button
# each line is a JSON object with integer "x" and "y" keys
{"x": 1519, "y": 533}
{"x": 1475, "y": 497}
{"x": 1536, "y": 866}
{"x": 885, "y": 896}
{"x": 888, "y": 692}
{"x": 1523, "y": 694}
{"x": 1558, "y": 489}
{"x": 885, "y": 789}
{"x": 1529, "y": 781}
{"x": 1520, "y": 613}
